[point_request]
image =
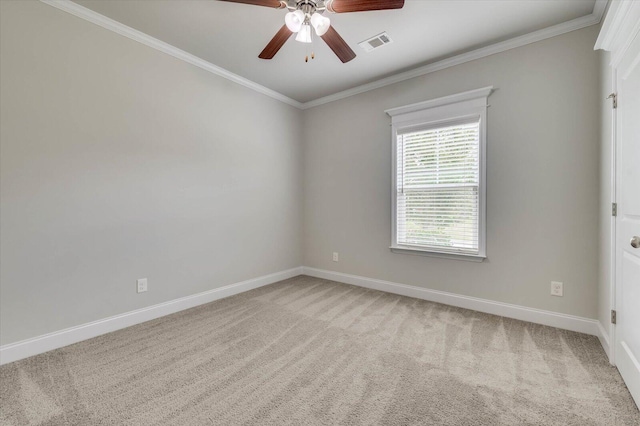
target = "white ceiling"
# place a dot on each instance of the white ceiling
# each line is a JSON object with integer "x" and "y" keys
{"x": 231, "y": 35}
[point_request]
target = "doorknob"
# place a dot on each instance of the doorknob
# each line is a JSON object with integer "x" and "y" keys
{"x": 635, "y": 242}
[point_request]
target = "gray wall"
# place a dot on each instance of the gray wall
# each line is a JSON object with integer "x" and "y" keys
{"x": 604, "y": 218}
{"x": 120, "y": 162}
{"x": 542, "y": 193}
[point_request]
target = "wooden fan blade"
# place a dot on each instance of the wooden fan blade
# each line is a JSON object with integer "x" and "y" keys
{"x": 342, "y": 6}
{"x": 338, "y": 45}
{"x": 276, "y": 4}
{"x": 276, "y": 43}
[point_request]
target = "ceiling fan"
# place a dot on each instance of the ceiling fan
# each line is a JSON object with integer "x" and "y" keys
{"x": 307, "y": 14}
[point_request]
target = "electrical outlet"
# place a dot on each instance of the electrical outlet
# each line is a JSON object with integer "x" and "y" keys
{"x": 556, "y": 288}
{"x": 336, "y": 257}
{"x": 142, "y": 285}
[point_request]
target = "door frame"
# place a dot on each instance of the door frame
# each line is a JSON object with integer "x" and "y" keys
{"x": 620, "y": 35}
{"x": 613, "y": 268}
{"x": 620, "y": 27}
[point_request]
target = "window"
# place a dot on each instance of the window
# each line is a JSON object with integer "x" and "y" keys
{"x": 439, "y": 176}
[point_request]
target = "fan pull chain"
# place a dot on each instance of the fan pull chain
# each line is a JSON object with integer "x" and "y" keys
{"x": 313, "y": 55}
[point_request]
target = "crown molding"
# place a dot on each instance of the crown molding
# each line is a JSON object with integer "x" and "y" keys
{"x": 620, "y": 27}
{"x": 599, "y": 9}
{"x": 133, "y": 34}
{"x": 543, "y": 34}
{"x": 119, "y": 28}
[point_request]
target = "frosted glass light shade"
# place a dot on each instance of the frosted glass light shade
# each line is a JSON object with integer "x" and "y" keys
{"x": 304, "y": 35}
{"x": 320, "y": 23}
{"x": 294, "y": 20}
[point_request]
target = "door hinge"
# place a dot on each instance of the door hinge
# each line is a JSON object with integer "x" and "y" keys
{"x": 613, "y": 316}
{"x": 614, "y": 96}
{"x": 614, "y": 209}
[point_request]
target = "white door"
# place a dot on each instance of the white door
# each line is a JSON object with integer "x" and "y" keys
{"x": 627, "y": 340}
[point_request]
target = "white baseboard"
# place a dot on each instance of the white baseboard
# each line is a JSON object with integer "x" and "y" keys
{"x": 523, "y": 313}
{"x": 37, "y": 345}
{"x": 603, "y": 336}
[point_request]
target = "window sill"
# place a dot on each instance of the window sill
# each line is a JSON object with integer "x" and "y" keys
{"x": 439, "y": 254}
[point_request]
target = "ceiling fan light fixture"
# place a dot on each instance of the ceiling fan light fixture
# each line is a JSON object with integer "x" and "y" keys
{"x": 294, "y": 20}
{"x": 320, "y": 23}
{"x": 304, "y": 35}
{"x": 301, "y": 18}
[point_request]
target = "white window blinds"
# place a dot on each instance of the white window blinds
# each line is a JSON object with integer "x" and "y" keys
{"x": 437, "y": 188}
{"x": 439, "y": 176}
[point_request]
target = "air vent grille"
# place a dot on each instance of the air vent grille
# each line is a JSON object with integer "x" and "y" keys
{"x": 375, "y": 42}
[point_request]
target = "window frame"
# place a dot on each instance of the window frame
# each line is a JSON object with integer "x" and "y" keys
{"x": 435, "y": 113}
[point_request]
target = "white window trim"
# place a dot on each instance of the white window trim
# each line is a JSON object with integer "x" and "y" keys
{"x": 429, "y": 113}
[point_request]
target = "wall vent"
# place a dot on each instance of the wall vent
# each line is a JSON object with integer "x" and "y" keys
{"x": 375, "y": 42}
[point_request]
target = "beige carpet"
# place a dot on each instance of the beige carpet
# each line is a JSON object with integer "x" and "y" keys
{"x": 313, "y": 352}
